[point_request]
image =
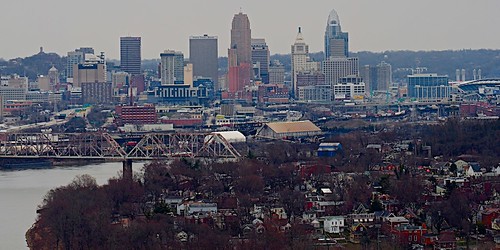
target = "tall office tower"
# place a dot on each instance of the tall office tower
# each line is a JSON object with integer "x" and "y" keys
{"x": 300, "y": 59}
{"x": 335, "y": 68}
{"x": 261, "y": 58}
{"x": 240, "y": 54}
{"x": 384, "y": 76}
{"x": 336, "y": 41}
{"x": 172, "y": 67}
{"x": 93, "y": 69}
{"x": 203, "y": 54}
{"x": 76, "y": 57}
{"x": 241, "y": 38}
{"x": 130, "y": 55}
{"x": 377, "y": 78}
{"x": 276, "y": 72}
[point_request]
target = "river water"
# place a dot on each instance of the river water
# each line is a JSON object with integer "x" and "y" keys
{"x": 21, "y": 191}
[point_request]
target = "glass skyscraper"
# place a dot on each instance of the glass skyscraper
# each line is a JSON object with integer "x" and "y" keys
{"x": 336, "y": 41}
{"x": 130, "y": 55}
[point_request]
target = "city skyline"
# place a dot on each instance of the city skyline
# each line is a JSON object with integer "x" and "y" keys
{"x": 428, "y": 25}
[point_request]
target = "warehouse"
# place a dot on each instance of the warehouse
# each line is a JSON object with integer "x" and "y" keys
{"x": 288, "y": 130}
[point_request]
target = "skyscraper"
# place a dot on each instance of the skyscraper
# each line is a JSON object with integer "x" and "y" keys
{"x": 93, "y": 69}
{"x": 241, "y": 38}
{"x": 336, "y": 68}
{"x": 75, "y": 57}
{"x": 336, "y": 41}
{"x": 172, "y": 67}
{"x": 300, "y": 59}
{"x": 260, "y": 57}
{"x": 130, "y": 55}
{"x": 276, "y": 72}
{"x": 377, "y": 78}
{"x": 203, "y": 54}
{"x": 240, "y": 54}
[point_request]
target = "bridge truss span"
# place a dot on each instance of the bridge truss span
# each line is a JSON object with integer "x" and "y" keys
{"x": 99, "y": 145}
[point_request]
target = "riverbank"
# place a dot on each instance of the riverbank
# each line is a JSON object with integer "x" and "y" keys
{"x": 22, "y": 192}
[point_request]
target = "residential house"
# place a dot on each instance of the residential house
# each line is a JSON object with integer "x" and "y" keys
{"x": 361, "y": 215}
{"x": 358, "y": 230}
{"x": 446, "y": 241}
{"x": 409, "y": 234}
{"x": 489, "y": 215}
{"x": 461, "y": 164}
{"x": 190, "y": 208}
{"x": 473, "y": 170}
{"x": 278, "y": 213}
{"x": 333, "y": 224}
{"x": 392, "y": 222}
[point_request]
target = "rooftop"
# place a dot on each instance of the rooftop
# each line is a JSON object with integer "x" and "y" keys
{"x": 293, "y": 127}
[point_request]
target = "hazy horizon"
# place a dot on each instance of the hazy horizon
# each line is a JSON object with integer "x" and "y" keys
{"x": 375, "y": 26}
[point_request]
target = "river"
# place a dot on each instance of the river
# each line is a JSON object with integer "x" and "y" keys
{"x": 21, "y": 191}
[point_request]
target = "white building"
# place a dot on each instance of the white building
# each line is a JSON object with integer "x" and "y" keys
{"x": 337, "y": 67}
{"x": 172, "y": 67}
{"x": 343, "y": 91}
{"x": 300, "y": 59}
{"x": 333, "y": 224}
{"x": 13, "y": 88}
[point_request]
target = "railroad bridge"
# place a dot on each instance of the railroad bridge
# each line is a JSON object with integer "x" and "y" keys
{"x": 101, "y": 145}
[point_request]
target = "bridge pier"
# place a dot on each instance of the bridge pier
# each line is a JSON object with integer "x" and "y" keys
{"x": 127, "y": 170}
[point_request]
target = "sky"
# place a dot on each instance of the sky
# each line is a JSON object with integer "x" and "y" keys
{"x": 374, "y": 25}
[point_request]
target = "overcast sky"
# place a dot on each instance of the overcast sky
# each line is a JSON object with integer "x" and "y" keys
{"x": 373, "y": 25}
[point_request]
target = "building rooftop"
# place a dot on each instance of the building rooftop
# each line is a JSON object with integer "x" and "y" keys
{"x": 293, "y": 127}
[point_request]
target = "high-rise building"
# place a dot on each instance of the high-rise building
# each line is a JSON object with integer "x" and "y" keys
{"x": 13, "y": 88}
{"x": 338, "y": 67}
{"x": 276, "y": 72}
{"x": 130, "y": 55}
{"x": 377, "y": 78}
{"x": 93, "y": 69}
{"x": 172, "y": 67}
{"x": 310, "y": 78}
{"x": 203, "y": 54}
{"x": 97, "y": 92}
{"x": 261, "y": 58}
{"x": 300, "y": 59}
{"x": 428, "y": 87}
{"x": 241, "y": 38}
{"x": 240, "y": 54}
{"x": 336, "y": 41}
{"x": 76, "y": 57}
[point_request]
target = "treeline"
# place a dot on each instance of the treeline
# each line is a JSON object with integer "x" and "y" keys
{"x": 33, "y": 66}
{"x": 480, "y": 139}
{"x": 441, "y": 62}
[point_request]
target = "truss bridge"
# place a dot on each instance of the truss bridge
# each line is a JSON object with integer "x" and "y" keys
{"x": 100, "y": 145}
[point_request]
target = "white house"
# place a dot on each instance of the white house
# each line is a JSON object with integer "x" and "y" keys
{"x": 473, "y": 171}
{"x": 333, "y": 224}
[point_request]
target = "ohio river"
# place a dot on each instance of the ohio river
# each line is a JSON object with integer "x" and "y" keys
{"x": 21, "y": 191}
